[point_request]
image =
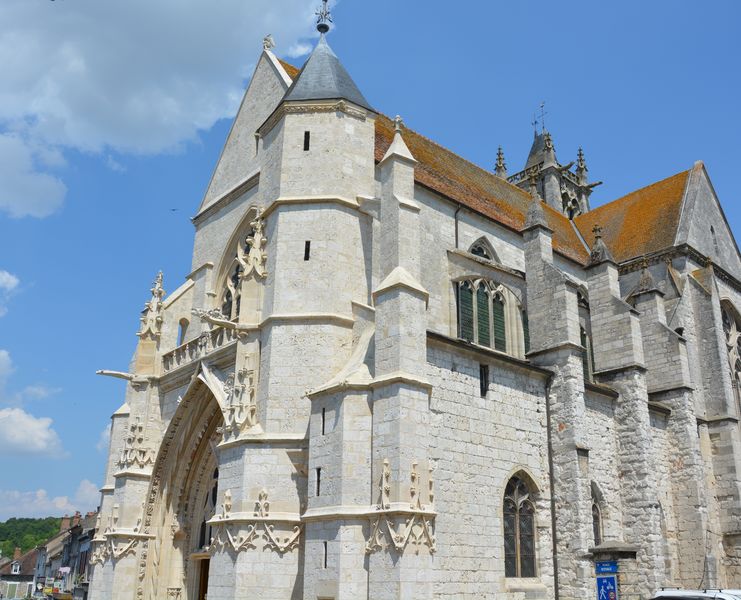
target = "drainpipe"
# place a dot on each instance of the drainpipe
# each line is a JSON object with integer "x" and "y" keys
{"x": 455, "y": 216}
{"x": 551, "y": 482}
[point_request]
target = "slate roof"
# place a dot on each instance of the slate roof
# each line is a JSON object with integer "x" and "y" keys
{"x": 643, "y": 222}
{"x": 324, "y": 78}
{"x": 537, "y": 151}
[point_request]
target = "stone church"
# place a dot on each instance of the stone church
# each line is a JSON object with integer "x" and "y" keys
{"x": 392, "y": 374}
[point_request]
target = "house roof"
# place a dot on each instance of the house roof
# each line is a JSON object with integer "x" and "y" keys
{"x": 639, "y": 223}
{"x": 28, "y": 565}
{"x": 324, "y": 78}
{"x": 643, "y": 222}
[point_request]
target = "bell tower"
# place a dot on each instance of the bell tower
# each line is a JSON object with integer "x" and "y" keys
{"x": 561, "y": 188}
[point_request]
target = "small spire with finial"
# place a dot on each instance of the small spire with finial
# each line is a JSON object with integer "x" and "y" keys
{"x": 324, "y": 18}
{"x": 600, "y": 253}
{"x": 581, "y": 167}
{"x": 500, "y": 169}
{"x": 398, "y": 122}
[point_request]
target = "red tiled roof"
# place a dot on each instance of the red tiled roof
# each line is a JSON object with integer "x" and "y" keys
{"x": 290, "y": 69}
{"x": 28, "y": 565}
{"x": 643, "y": 222}
{"x": 454, "y": 177}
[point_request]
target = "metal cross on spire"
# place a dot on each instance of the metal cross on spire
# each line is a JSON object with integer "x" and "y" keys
{"x": 323, "y": 18}
{"x": 540, "y": 120}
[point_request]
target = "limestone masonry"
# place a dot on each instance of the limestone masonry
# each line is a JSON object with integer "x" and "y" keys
{"x": 394, "y": 375}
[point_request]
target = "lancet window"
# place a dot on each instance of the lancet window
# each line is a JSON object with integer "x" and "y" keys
{"x": 489, "y": 315}
{"x": 231, "y": 295}
{"x": 519, "y": 530}
{"x": 597, "y": 515}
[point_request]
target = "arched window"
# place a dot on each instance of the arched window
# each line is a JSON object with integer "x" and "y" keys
{"x": 209, "y": 509}
{"x": 732, "y": 331}
{"x": 597, "y": 501}
{"x": 182, "y": 331}
{"x": 483, "y": 249}
{"x": 231, "y": 294}
{"x": 519, "y": 530}
{"x": 570, "y": 206}
{"x": 489, "y": 315}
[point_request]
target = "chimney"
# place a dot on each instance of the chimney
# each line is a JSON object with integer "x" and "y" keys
{"x": 65, "y": 523}
{"x": 76, "y": 519}
{"x": 17, "y": 554}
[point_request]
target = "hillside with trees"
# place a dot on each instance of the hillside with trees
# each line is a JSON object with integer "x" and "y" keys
{"x": 26, "y": 533}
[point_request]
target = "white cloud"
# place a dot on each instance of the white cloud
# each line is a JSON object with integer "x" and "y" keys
{"x": 104, "y": 439}
{"x": 133, "y": 77}
{"x": 23, "y": 434}
{"x": 6, "y": 368}
{"x": 8, "y": 283}
{"x": 37, "y": 391}
{"x": 25, "y": 191}
{"x": 38, "y": 503}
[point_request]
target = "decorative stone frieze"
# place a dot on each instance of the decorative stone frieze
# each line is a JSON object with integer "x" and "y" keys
{"x": 240, "y": 407}
{"x": 202, "y": 346}
{"x": 239, "y": 532}
{"x": 396, "y": 526}
{"x": 134, "y": 453}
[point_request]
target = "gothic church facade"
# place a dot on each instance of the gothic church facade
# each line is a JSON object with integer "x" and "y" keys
{"x": 394, "y": 375}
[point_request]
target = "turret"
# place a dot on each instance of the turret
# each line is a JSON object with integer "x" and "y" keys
{"x": 562, "y": 189}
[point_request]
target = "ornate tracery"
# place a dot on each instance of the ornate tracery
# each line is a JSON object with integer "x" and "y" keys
{"x": 489, "y": 315}
{"x": 732, "y": 331}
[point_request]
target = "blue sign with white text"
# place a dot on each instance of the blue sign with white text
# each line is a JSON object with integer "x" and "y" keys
{"x": 607, "y": 587}
{"x": 607, "y": 566}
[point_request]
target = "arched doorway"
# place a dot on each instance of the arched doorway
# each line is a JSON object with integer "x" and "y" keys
{"x": 182, "y": 498}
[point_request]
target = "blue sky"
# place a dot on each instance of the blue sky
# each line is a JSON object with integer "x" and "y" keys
{"x": 112, "y": 116}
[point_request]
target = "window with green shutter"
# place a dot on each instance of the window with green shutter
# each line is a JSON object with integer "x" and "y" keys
{"x": 500, "y": 334}
{"x": 483, "y": 327}
{"x": 465, "y": 311}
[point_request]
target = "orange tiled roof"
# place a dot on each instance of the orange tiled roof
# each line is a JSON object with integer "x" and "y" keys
{"x": 290, "y": 69}
{"x": 642, "y": 222}
{"x": 454, "y": 177}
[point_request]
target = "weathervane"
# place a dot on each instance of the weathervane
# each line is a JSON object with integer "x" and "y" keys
{"x": 535, "y": 122}
{"x": 323, "y": 18}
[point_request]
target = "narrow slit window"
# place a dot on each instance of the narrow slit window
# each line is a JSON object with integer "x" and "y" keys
{"x": 324, "y": 420}
{"x": 307, "y": 140}
{"x": 307, "y": 249}
{"x": 325, "y": 554}
{"x": 483, "y": 380}
{"x": 318, "y": 481}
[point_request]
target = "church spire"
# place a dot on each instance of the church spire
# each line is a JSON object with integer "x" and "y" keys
{"x": 323, "y": 77}
{"x": 500, "y": 169}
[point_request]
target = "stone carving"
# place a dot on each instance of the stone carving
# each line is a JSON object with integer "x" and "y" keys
{"x": 240, "y": 408}
{"x": 227, "y": 505}
{"x": 151, "y": 320}
{"x": 261, "y": 528}
{"x": 268, "y": 43}
{"x": 203, "y": 345}
{"x": 134, "y": 454}
{"x": 254, "y": 260}
{"x": 173, "y": 593}
{"x": 399, "y": 528}
{"x": 113, "y": 548}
